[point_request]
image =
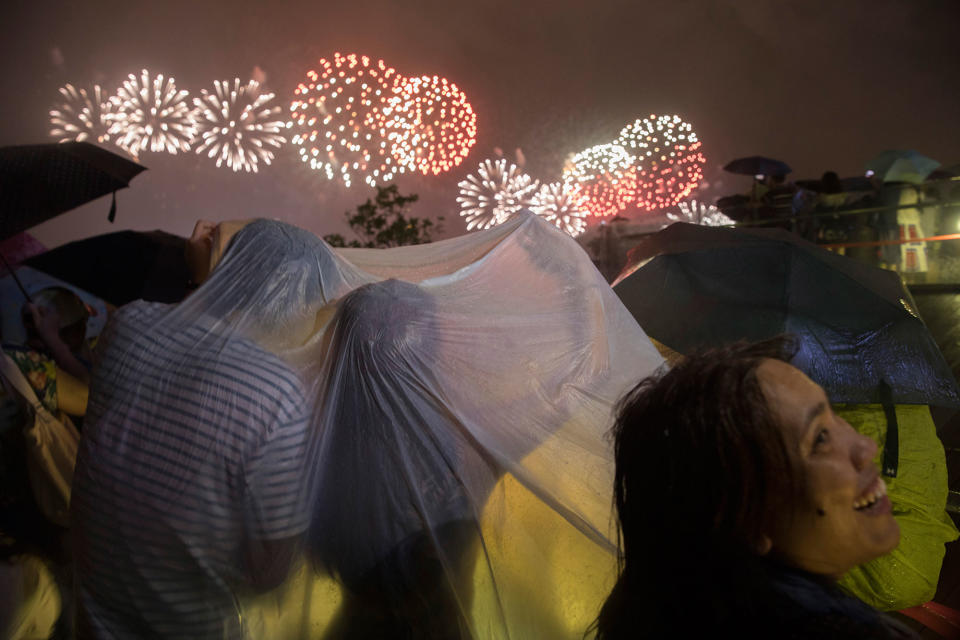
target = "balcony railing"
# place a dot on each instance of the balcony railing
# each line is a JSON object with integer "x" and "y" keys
{"x": 911, "y": 229}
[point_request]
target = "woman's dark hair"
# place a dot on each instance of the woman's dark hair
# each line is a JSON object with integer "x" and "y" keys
{"x": 703, "y": 474}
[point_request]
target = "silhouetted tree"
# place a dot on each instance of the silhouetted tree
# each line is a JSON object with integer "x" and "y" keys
{"x": 381, "y": 222}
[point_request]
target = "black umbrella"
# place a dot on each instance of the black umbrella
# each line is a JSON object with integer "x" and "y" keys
{"x": 123, "y": 266}
{"x": 945, "y": 173}
{"x": 691, "y": 286}
{"x": 39, "y": 182}
{"x": 756, "y": 165}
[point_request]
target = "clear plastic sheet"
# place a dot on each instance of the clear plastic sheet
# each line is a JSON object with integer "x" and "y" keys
{"x": 455, "y": 476}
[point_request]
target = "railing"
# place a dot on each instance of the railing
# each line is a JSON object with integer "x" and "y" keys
{"x": 919, "y": 238}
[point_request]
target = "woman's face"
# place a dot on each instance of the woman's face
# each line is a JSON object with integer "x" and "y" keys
{"x": 846, "y": 519}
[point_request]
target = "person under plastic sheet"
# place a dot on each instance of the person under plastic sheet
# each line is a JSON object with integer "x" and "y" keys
{"x": 404, "y": 538}
{"x": 192, "y": 480}
{"x": 463, "y": 475}
{"x": 399, "y": 534}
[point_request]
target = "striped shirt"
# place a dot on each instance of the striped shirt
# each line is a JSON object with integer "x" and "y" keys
{"x": 192, "y": 453}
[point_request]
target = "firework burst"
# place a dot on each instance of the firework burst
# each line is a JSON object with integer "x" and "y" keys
{"x": 605, "y": 176}
{"x": 494, "y": 193}
{"x": 430, "y": 124}
{"x": 700, "y": 213}
{"x": 335, "y": 119}
{"x": 81, "y": 116}
{"x": 669, "y": 160}
{"x": 565, "y": 208}
{"x": 237, "y": 125}
{"x": 152, "y": 115}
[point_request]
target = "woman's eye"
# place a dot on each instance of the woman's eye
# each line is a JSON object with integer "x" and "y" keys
{"x": 821, "y": 438}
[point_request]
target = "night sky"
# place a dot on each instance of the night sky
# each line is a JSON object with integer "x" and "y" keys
{"x": 821, "y": 85}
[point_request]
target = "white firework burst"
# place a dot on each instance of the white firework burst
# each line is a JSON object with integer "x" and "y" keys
{"x": 237, "y": 125}
{"x": 565, "y": 208}
{"x": 700, "y": 213}
{"x": 152, "y": 114}
{"x": 494, "y": 193}
{"x": 82, "y": 116}
{"x": 655, "y": 139}
{"x": 593, "y": 163}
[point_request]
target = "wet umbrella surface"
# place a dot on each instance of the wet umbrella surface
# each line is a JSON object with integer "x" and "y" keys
{"x": 757, "y": 165}
{"x": 123, "y": 266}
{"x": 691, "y": 286}
{"x": 39, "y": 182}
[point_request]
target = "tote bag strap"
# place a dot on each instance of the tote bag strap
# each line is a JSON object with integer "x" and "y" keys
{"x": 14, "y": 376}
{"x": 52, "y": 445}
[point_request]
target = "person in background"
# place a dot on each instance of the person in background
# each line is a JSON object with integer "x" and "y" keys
{"x": 54, "y": 362}
{"x": 758, "y": 189}
{"x": 742, "y": 497}
{"x": 777, "y": 185}
{"x": 56, "y": 356}
{"x": 831, "y": 191}
{"x": 777, "y": 200}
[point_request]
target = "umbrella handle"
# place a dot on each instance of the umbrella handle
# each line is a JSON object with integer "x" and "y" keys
{"x": 891, "y": 446}
{"x": 16, "y": 279}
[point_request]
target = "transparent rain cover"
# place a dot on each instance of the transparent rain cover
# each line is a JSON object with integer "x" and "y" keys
{"x": 454, "y": 478}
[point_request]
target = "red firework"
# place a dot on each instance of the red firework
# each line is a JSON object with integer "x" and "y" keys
{"x": 610, "y": 194}
{"x": 665, "y": 184}
{"x": 431, "y": 125}
{"x": 334, "y": 116}
{"x": 606, "y": 176}
{"x": 669, "y": 161}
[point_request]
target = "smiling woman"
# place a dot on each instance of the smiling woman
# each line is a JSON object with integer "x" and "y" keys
{"x": 762, "y": 498}
{"x": 846, "y": 519}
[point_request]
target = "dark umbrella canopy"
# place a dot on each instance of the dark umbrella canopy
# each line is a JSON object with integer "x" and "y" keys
{"x": 694, "y": 286}
{"x": 945, "y": 173}
{"x": 756, "y": 165}
{"x": 123, "y": 266}
{"x": 38, "y": 182}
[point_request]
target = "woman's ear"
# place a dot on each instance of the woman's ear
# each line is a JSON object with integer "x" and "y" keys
{"x": 764, "y": 546}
